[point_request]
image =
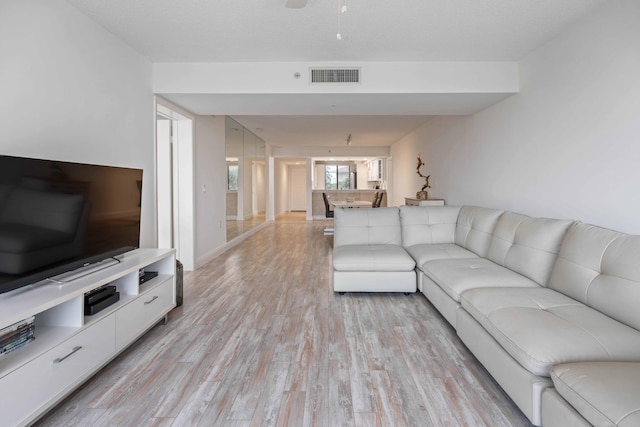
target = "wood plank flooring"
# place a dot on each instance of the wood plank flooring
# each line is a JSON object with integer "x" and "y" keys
{"x": 237, "y": 227}
{"x": 262, "y": 340}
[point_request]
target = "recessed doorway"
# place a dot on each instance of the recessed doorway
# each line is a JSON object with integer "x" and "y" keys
{"x": 297, "y": 188}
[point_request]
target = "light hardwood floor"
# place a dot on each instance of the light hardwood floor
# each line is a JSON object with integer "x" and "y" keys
{"x": 262, "y": 340}
{"x": 236, "y": 228}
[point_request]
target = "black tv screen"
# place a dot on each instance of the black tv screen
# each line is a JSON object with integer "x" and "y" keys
{"x": 58, "y": 216}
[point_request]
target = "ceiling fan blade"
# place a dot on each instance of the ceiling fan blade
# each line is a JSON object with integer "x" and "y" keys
{"x": 296, "y": 4}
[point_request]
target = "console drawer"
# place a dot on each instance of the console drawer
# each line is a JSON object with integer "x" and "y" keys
{"x": 48, "y": 377}
{"x": 142, "y": 313}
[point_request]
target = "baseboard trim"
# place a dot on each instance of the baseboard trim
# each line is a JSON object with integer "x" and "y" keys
{"x": 211, "y": 255}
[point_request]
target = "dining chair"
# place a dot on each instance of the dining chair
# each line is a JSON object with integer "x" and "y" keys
{"x": 378, "y": 199}
{"x": 327, "y": 211}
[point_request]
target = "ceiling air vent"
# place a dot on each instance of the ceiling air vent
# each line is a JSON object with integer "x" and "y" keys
{"x": 335, "y": 75}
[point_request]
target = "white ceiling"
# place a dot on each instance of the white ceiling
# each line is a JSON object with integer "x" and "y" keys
{"x": 371, "y": 119}
{"x": 327, "y": 131}
{"x": 372, "y": 30}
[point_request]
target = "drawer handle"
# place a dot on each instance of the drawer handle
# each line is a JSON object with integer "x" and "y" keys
{"x": 151, "y": 300}
{"x": 75, "y": 349}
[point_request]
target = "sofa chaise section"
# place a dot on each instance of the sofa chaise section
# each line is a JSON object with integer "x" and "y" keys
{"x": 368, "y": 255}
{"x": 588, "y": 312}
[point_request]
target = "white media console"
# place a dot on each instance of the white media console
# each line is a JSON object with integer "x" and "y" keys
{"x": 69, "y": 346}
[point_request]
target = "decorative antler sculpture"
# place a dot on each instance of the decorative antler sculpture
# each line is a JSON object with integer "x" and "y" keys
{"x": 422, "y": 194}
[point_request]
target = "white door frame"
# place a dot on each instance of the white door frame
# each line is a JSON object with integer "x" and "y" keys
{"x": 175, "y": 176}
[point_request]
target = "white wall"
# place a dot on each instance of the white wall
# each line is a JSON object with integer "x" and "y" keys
{"x": 404, "y": 181}
{"x": 270, "y": 183}
{"x": 363, "y": 175}
{"x": 72, "y": 91}
{"x": 261, "y": 187}
{"x": 566, "y": 146}
{"x": 210, "y": 190}
{"x": 281, "y": 187}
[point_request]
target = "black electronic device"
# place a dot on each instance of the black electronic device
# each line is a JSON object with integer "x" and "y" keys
{"x": 146, "y": 276}
{"x": 63, "y": 216}
{"x": 100, "y": 298}
{"x": 97, "y": 306}
{"x": 99, "y": 294}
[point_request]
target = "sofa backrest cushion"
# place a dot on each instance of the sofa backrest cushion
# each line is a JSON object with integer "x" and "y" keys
{"x": 55, "y": 211}
{"x": 428, "y": 224}
{"x": 600, "y": 268}
{"x": 474, "y": 228}
{"x": 361, "y": 226}
{"x": 528, "y": 246}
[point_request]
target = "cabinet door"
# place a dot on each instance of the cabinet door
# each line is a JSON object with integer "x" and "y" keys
{"x": 27, "y": 391}
{"x": 140, "y": 314}
{"x": 374, "y": 170}
{"x": 380, "y": 169}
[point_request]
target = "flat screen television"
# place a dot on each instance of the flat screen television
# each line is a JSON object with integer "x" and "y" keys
{"x": 59, "y": 216}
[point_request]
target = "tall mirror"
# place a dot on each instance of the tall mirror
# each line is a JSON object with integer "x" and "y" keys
{"x": 246, "y": 179}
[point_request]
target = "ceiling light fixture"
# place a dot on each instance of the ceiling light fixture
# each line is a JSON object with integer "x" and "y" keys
{"x": 349, "y": 140}
{"x": 342, "y": 8}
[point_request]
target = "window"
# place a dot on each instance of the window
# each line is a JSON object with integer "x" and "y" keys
{"x": 337, "y": 177}
{"x": 232, "y": 177}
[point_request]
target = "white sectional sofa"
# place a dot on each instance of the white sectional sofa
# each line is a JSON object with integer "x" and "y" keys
{"x": 536, "y": 300}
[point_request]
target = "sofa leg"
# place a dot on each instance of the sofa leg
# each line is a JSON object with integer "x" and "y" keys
{"x": 407, "y": 293}
{"x": 341, "y": 293}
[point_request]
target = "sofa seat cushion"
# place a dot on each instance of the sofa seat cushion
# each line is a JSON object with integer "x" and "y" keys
{"x": 604, "y": 393}
{"x": 455, "y": 276}
{"x": 428, "y": 252}
{"x": 372, "y": 258}
{"x": 540, "y": 328}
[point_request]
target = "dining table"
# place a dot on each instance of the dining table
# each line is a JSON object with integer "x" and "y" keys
{"x": 351, "y": 204}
